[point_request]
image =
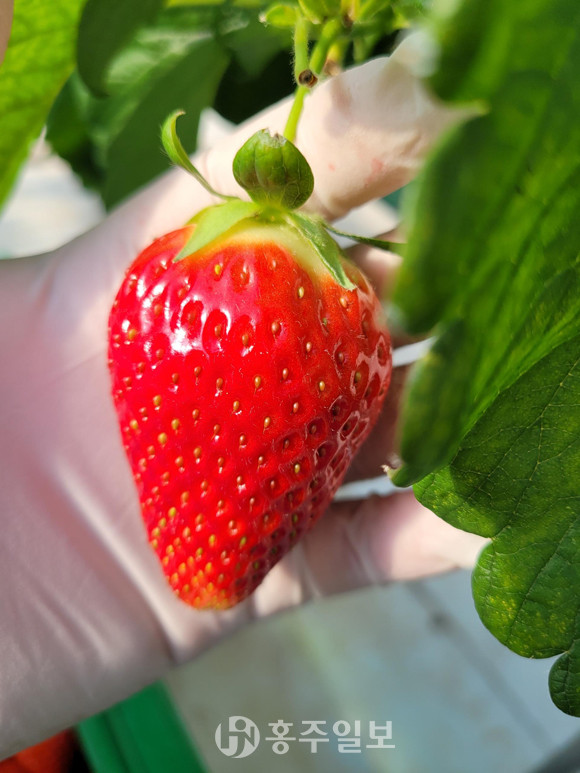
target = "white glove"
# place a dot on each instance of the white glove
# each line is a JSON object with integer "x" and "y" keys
{"x": 86, "y": 615}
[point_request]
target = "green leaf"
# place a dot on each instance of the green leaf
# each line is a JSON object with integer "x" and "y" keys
{"x": 273, "y": 171}
{"x": 313, "y": 229}
{"x": 494, "y": 236}
{"x": 420, "y": 441}
{"x": 258, "y": 74}
{"x": 515, "y": 480}
{"x": 253, "y": 46}
{"x": 68, "y": 134}
{"x": 39, "y": 58}
{"x": 492, "y": 268}
{"x": 157, "y": 74}
{"x": 216, "y": 221}
{"x": 105, "y": 27}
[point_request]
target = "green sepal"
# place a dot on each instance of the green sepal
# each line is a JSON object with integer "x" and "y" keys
{"x": 215, "y": 221}
{"x": 283, "y": 16}
{"x": 273, "y": 171}
{"x": 318, "y": 11}
{"x": 395, "y": 247}
{"x": 177, "y": 153}
{"x": 313, "y": 229}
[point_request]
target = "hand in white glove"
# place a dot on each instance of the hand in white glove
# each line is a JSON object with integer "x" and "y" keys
{"x": 86, "y": 615}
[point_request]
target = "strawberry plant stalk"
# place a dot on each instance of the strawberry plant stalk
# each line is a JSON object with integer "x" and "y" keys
{"x": 331, "y": 32}
{"x": 300, "y": 47}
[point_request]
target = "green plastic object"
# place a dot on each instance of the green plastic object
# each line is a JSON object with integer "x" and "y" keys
{"x": 143, "y": 734}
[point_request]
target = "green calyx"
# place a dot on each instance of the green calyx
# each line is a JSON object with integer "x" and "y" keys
{"x": 178, "y": 155}
{"x": 278, "y": 179}
{"x": 216, "y": 220}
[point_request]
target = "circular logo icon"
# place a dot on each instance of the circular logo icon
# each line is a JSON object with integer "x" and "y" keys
{"x": 239, "y": 739}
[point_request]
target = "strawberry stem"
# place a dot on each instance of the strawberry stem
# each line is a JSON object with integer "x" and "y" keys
{"x": 331, "y": 30}
{"x": 295, "y": 113}
{"x": 300, "y": 47}
{"x": 330, "y": 33}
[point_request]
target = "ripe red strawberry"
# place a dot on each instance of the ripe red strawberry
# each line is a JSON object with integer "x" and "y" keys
{"x": 245, "y": 377}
